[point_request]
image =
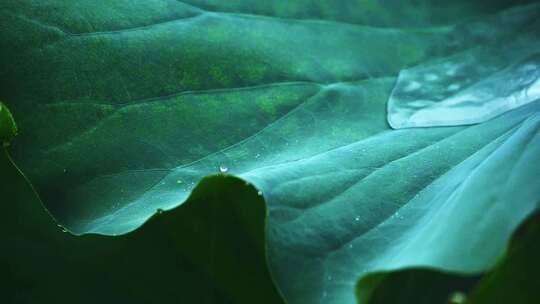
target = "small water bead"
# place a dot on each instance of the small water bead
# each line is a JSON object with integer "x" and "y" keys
{"x": 223, "y": 169}
{"x": 257, "y": 155}
{"x": 457, "y": 298}
{"x": 159, "y": 211}
{"x": 357, "y": 218}
{"x": 453, "y": 87}
{"x": 179, "y": 181}
{"x": 259, "y": 193}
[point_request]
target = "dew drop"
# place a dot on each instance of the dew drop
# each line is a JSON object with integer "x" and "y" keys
{"x": 223, "y": 169}
{"x": 257, "y": 155}
{"x": 259, "y": 193}
{"x": 357, "y": 218}
{"x": 457, "y": 298}
{"x": 453, "y": 87}
{"x": 159, "y": 211}
{"x": 65, "y": 170}
{"x": 179, "y": 181}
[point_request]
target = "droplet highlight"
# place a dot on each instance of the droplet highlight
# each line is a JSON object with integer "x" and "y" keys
{"x": 457, "y": 298}
{"x": 223, "y": 169}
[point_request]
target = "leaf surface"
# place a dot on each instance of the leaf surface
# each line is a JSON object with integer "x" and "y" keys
{"x": 124, "y": 109}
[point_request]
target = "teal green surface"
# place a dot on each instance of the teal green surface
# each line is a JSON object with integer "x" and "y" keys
{"x": 124, "y": 107}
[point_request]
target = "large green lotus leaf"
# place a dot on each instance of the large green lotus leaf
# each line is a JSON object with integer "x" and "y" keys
{"x": 123, "y": 108}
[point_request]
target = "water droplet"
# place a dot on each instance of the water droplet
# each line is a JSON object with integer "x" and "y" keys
{"x": 259, "y": 193}
{"x": 257, "y": 155}
{"x": 159, "y": 211}
{"x": 350, "y": 245}
{"x": 179, "y": 181}
{"x": 357, "y": 218}
{"x": 453, "y": 87}
{"x": 65, "y": 170}
{"x": 457, "y": 298}
{"x": 223, "y": 169}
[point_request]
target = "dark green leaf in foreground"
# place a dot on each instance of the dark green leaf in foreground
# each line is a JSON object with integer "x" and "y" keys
{"x": 124, "y": 108}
